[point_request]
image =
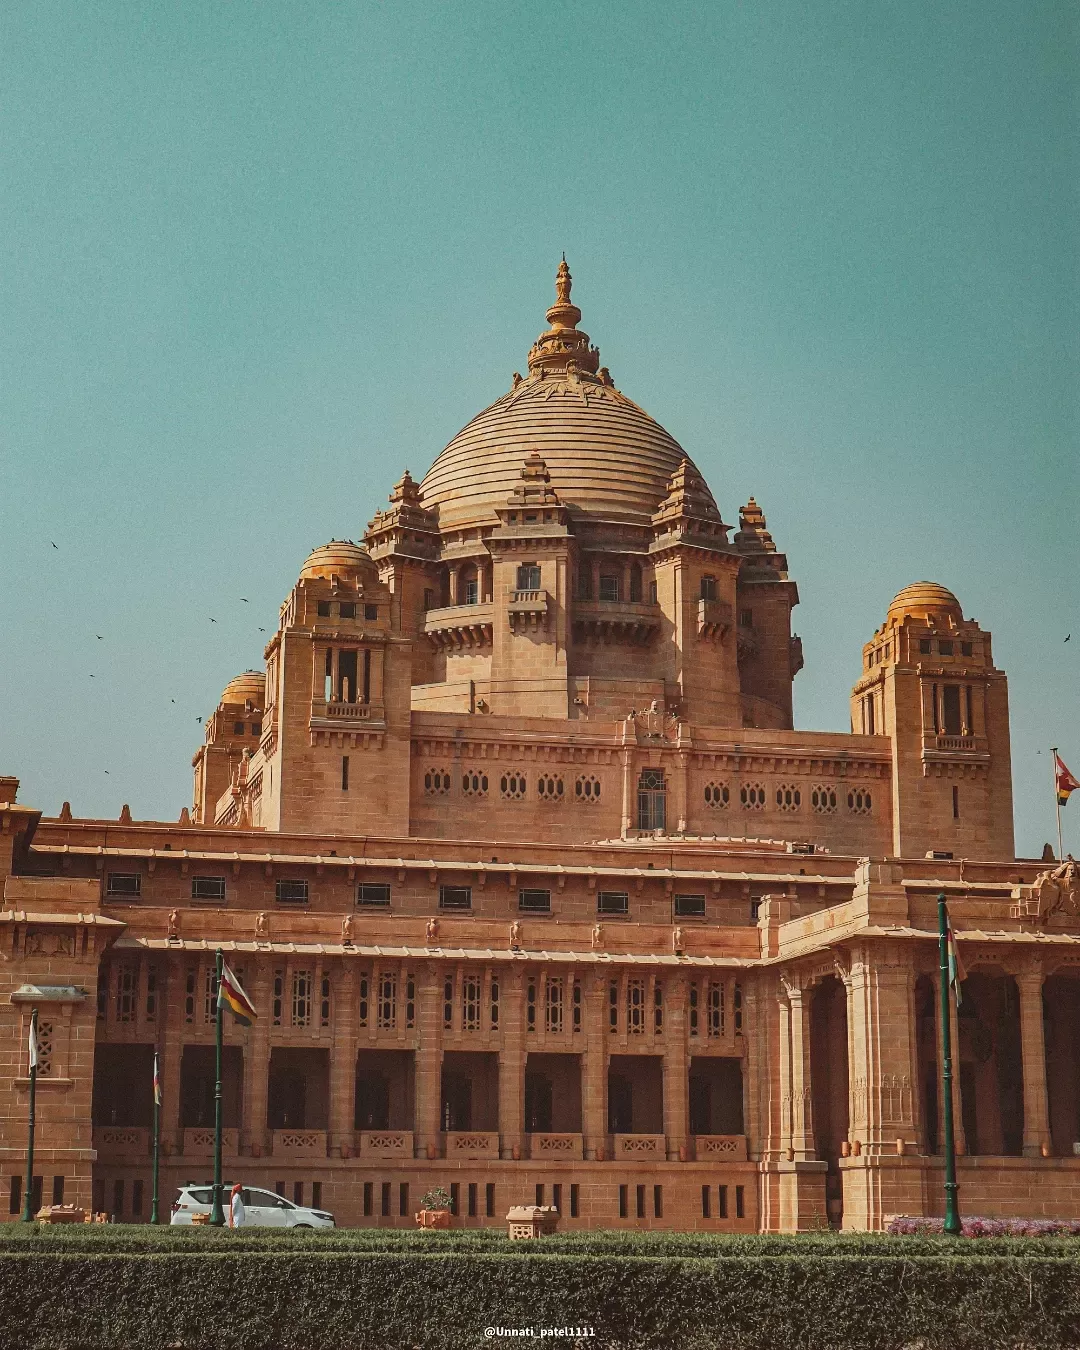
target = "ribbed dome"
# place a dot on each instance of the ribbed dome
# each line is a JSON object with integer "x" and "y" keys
{"x": 607, "y": 457}
{"x": 923, "y": 598}
{"x": 340, "y": 557}
{"x": 250, "y": 685}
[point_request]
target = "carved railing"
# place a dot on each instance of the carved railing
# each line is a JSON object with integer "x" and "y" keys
{"x": 460, "y": 625}
{"x": 527, "y": 609}
{"x": 299, "y": 1143}
{"x": 472, "y": 1144}
{"x": 121, "y": 1141}
{"x": 555, "y": 1146}
{"x": 199, "y": 1141}
{"x": 639, "y": 1146}
{"x": 720, "y": 1147}
{"x": 384, "y": 1143}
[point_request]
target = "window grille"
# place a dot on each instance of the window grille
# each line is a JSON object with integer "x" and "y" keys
{"x": 455, "y": 897}
{"x": 823, "y": 800}
{"x": 45, "y": 1040}
{"x": 127, "y": 984}
{"x": 534, "y": 902}
{"x": 577, "y": 1005}
{"x": 494, "y": 1003}
{"x": 189, "y": 996}
{"x": 530, "y": 1005}
{"x": 474, "y": 784}
{"x": 292, "y": 892}
{"x": 279, "y": 996}
{"x": 689, "y": 906}
{"x": 613, "y": 1006}
{"x": 859, "y": 802}
{"x": 210, "y": 994}
{"x": 324, "y": 1001}
{"x": 693, "y": 1009}
{"x": 788, "y": 797}
{"x": 658, "y": 1008}
{"x": 587, "y": 788}
{"x": 513, "y": 786}
{"x": 470, "y": 1003}
{"x": 151, "y": 993}
{"x": 612, "y": 902}
{"x": 737, "y": 1008}
{"x": 553, "y": 1005}
{"x": 208, "y": 888}
{"x": 387, "y": 1000}
{"x": 448, "y": 1003}
{"x": 714, "y": 1010}
{"x": 373, "y": 896}
{"x": 301, "y": 998}
{"x": 127, "y": 884}
{"x": 549, "y": 787}
{"x": 635, "y": 1007}
{"x": 410, "y": 1002}
{"x": 364, "y": 993}
{"x": 717, "y": 795}
{"x": 752, "y": 796}
{"x": 652, "y": 799}
{"x": 437, "y": 782}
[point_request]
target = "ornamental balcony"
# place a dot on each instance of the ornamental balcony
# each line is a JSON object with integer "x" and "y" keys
{"x": 558, "y": 1147}
{"x": 463, "y": 1144}
{"x": 630, "y": 1146}
{"x": 198, "y": 1142}
{"x": 121, "y": 1141}
{"x": 720, "y": 1147}
{"x": 298, "y": 1143}
{"x": 384, "y": 1144}
{"x": 714, "y": 619}
{"x": 526, "y": 610}
{"x": 339, "y": 715}
{"x": 940, "y": 748}
{"x": 633, "y": 622}
{"x": 460, "y": 626}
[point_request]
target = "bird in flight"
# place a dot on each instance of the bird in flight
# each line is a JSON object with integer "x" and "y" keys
{"x": 245, "y": 599}
{"x": 198, "y": 719}
{"x": 98, "y": 636}
{"x": 213, "y": 620}
{"x": 262, "y": 630}
{"x": 106, "y": 771}
{"x": 56, "y": 546}
{"x": 172, "y": 700}
{"x": 1070, "y": 635}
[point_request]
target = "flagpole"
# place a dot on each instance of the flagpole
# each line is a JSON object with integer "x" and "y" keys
{"x": 28, "y": 1190}
{"x": 157, "y": 1140}
{"x": 217, "y": 1214}
{"x": 1057, "y": 799}
{"x": 952, "y": 1212}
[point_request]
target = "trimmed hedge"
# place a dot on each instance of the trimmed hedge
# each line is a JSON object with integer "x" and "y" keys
{"x": 140, "y": 1289}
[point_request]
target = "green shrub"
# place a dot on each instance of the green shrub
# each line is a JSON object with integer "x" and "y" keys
{"x": 145, "y": 1289}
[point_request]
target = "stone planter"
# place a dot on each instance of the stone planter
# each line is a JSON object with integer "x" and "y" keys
{"x": 432, "y": 1218}
{"x": 532, "y": 1221}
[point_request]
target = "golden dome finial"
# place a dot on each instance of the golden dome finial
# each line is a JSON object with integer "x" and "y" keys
{"x": 564, "y": 344}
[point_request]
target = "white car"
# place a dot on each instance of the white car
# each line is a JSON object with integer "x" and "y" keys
{"x": 262, "y": 1209}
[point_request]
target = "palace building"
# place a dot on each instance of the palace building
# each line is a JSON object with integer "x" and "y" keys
{"x": 539, "y": 893}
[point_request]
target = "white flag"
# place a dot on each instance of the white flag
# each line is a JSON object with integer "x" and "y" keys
{"x": 33, "y": 1040}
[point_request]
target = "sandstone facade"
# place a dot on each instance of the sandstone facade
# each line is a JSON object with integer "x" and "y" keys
{"x": 539, "y": 892}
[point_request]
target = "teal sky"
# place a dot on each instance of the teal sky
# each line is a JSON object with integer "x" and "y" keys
{"x": 259, "y": 258}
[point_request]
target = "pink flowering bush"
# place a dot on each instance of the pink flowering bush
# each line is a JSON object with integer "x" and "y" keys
{"x": 903, "y": 1226}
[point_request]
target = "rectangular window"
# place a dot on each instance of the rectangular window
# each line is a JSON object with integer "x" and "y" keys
{"x": 208, "y": 888}
{"x": 635, "y": 1007}
{"x": 693, "y": 1009}
{"x": 373, "y": 895}
{"x": 489, "y": 1200}
{"x": 316, "y": 1195}
{"x": 528, "y": 577}
{"x": 58, "y": 1191}
{"x": 714, "y": 1009}
{"x": 238, "y": 728}
{"x": 470, "y": 1003}
{"x": 624, "y": 1206}
{"x": 472, "y": 1202}
{"x": 410, "y": 1002}
{"x": 403, "y": 1199}
{"x": 746, "y": 618}
{"x": 658, "y": 1008}
{"x": 369, "y": 1199}
{"x": 556, "y": 1196}
{"x": 347, "y": 609}
{"x": 534, "y": 902}
{"x": 951, "y": 709}
{"x": 530, "y": 1006}
{"x": 279, "y": 1189}
{"x": 189, "y": 996}
{"x": 945, "y": 647}
{"x": 371, "y": 612}
{"x": 925, "y": 646}
{"x": 708, "y": 588}
{"x": 658, "y": 1202}
{"x": 956, "y": 803}
{"x": 736, "y": 1007}
{"x": 344, "y": 773}
{"x": 966, "y": 649}
{"x": 455, "y": 897}
{"x": 612, "y": 902}
{"x": 574, "y": 1194}
{"x": 324, "y": 1001}
{"x": 291, "y": 892}
{"x": 126, "y": 884}
{"x": 448, "y": 1003}
{"x": 740, "y": 1202}
{"x": 553, "y": 1004}
{"x": 970, "y": 709}
{"x": 386, "y": 1192}
{"x": 494, "y": 1002}
{"x": 689, "y": 906}
{"x": 706, "y": 1205}
{"x": 346, "y": 686}
{"x": 151, "y": 993}
{"x": 721, "y": 1195}
{"x": 323, "y": 609}
{"x": 472, "y": 592}
{"x": 363, "y": 1000}
{"x": 256, "y": 728}
{"x": 126, "y": 992}
{"x": 210, "y": 990}
{"x": 387, "y": 1000}
{"x": 609, "y": 587}
{"x": 652, "y": 800}
{"x": 301, "y": 998}
{"x": 15, "y": 1194}
{"x": 577, "y": 1005}
{"x": 298, "y": 1192}
{"x": 640, "y": 1198}
{"x": 455, "y": 1197}
{"x": 868, "y": 704}
{"x": 118, "y": 1197}
{"x": 934, "y": 706}
{"x": 539, "y": 1192}
{"x": 653, "y": 592}
{"x": 613, "y": 1006}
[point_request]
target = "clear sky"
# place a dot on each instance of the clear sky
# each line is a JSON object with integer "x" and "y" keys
{"x": 257, "y": 258}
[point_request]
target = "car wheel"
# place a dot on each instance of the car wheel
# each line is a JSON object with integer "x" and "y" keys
{"x": 301, "y": 1225}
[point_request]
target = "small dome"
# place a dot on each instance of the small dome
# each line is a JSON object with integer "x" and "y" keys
{"x": 340, "y": 557}
{"x": 923, "y": 599}
{"x": 250, "y": 685}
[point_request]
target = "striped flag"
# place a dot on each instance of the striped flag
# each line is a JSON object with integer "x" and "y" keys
{"x": 956, "y": 966}
{"x": 33, "y": 1040}
{"x": 231, "y": 995}
{"x": 157, "y": 1082}
{"x": 1063, "y": 780}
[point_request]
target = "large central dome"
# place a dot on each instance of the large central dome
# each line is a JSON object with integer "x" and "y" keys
{"x": 607, "y": 458}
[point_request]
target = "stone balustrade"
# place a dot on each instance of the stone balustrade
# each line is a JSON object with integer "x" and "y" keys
{"x": 651, "y": 1146}
{"x": 556, "y": 1146}
{"x": 122, "y": 1141}
{"x": 299, "y": 1143}
{"x": 384, "y": 1144}
{"x": 463, "y": 1144}
{"x": 198, "y": 1141}
{"x": 720, "y": 1147}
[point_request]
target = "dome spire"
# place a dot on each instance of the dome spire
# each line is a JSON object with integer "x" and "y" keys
{"x": 564, "y": 347}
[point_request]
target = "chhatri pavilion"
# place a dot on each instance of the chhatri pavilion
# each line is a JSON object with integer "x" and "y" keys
{"x": 539, "y": 893}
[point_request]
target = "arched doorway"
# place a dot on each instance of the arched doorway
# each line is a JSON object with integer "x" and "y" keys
{"x": 991, "y": 1064}
{"x": 1061, "y": 1024}
{"x": 829, "y": 1085}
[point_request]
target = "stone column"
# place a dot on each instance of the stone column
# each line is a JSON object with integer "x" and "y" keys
{"x": 1029, "y": 983}
{"x": 171, "y": 1020}
{"x": 883, "y": 1051}
{"x": 755, "y": 1060}
{"x": 802, "y": 1115}
{"x": 429, "y": 1056}
{"x": 254, "y": 1129}
{"x": 954, "y": 1032}
{"x": 594, "y": 1066}
{"x": 343, "y": 1036}
{"x": 512, "y": 1068}
{"x": 676, "y": 1070}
